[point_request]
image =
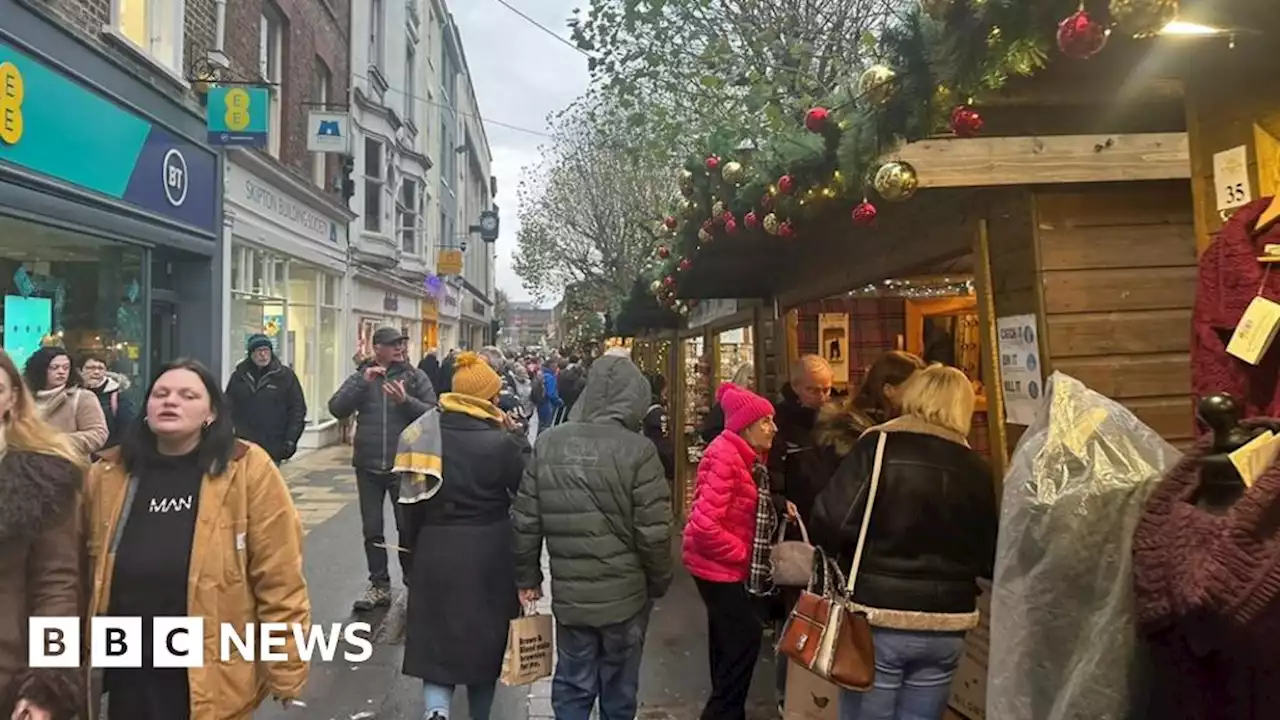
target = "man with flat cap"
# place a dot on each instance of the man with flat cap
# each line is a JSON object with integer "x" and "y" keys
{"x": 386, "y": 393}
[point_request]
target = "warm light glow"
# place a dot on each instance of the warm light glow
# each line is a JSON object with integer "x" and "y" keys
{"x": 1178, "y": 27}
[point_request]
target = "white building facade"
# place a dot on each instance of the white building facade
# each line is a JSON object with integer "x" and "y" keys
{"x": 285, "y": 252}
{"x": 392, "y": 115}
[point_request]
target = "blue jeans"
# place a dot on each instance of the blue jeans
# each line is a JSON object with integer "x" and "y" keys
{"x": 438, "y": 698}
{"x": 599, "y": 663}
{"x": 913, "y": 677}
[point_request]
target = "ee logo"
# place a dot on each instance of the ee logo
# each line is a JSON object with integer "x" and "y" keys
{"x": 11, "y": 91}
{"x": 237, "y": 116}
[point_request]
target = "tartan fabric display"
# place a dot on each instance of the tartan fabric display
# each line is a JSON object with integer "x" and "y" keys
{"x": 874, "y": 327}
{"x": 760, "y": 577}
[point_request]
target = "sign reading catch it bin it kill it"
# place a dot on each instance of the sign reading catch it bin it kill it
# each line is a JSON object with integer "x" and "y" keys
{"x": 237, "y": 116}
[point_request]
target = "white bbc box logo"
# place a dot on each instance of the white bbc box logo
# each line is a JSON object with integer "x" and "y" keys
{"x": 115, "y": 642}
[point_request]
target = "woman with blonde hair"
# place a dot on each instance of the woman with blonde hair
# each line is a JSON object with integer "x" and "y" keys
{"x": 931, "y": 535}
{"x": 41, "y": 545}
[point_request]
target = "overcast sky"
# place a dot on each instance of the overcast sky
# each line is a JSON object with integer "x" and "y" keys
{"x": 520, "y": 75}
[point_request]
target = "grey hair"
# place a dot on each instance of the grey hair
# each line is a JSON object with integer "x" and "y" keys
{"x": 494, "y": 356}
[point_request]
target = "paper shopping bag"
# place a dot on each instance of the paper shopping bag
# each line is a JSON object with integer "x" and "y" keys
{"x": 529, "y": 650}
{"x": 809, "y": 697}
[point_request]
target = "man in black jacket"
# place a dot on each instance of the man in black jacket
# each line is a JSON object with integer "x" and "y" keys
{"x": 267, "y": 403}
{"x": 386, "y": 394}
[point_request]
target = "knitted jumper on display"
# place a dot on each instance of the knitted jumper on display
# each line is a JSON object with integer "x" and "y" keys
{"x": 1207, "y": 593}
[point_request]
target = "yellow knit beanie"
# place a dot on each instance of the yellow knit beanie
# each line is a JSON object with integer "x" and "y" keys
{"x": 473, "y": 376}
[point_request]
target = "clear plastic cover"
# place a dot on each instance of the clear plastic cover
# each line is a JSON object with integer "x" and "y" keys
{"x": 1063, "y": 639}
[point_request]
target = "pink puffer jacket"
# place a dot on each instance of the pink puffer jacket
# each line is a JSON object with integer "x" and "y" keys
{"x": 722, "y": 522}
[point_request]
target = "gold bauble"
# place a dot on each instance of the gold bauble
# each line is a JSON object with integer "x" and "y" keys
{"x": 896, "y": 181}
{"x": 717, "y": 210}
{"x": 685, "y": 180}
{"x": 935, "y": 9}
{"x": 656, "y": 286}
{"x": 682, "y": 307}
{"x": 771, "y": 224}
{"x": 876, "y": 84}
{"x": 705, "y": 237}
{"x": 688, "y": 208}
{"x": 733, "y": 173}
{"x": 1143, "y": 18}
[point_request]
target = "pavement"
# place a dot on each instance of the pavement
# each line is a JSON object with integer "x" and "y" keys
{"x": 674, "y": 675}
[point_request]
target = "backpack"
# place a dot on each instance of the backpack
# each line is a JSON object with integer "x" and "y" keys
{"x": 538, "y": 389}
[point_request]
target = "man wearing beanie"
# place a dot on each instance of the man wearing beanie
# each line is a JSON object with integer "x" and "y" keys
{"x": 267, "y": 403}
{"x": 596, "y": 491}
{"x": 386, "y": 393}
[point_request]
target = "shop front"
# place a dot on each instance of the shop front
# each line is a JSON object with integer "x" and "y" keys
{"x": 286, "y": 264}
{"x": 450, "y": 316}
{"x": 381, "y": 300}
{"x": 109, "y": 208}
{"x": 430, "y": 325}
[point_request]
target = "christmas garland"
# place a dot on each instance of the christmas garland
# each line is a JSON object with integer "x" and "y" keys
{"x": 934, "y": 61}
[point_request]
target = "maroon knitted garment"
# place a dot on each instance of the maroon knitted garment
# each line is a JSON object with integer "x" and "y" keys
{"x": 1228, "y": 279}
{"x": 1207, "y": 591}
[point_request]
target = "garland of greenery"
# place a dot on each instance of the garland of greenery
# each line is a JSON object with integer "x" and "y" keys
{"x": 939, "y": 60}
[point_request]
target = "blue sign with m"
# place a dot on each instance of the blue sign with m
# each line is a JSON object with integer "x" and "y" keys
{"x": 330, "y": 128}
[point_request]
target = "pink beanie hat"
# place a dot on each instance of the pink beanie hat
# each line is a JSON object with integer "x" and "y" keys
{"x": 741, "y": 406}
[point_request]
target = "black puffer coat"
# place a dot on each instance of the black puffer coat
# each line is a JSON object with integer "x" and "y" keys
{"x": 933, "y": 525}
{"x": 596, "y": 491}
{"x": 462, "y": 592}
{"x": 267, "y": 407}
{"x": 379, "y": 420}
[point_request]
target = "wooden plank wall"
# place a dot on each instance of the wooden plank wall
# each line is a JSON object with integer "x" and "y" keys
{"x": 1011, "y": 240}
{"x": 1117, "y": 269}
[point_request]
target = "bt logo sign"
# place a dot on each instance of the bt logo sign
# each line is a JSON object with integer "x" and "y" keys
{"x": 175, "y": 178}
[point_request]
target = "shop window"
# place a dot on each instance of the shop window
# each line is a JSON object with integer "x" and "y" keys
{"x": 153, "y": 27}
{"x": 270, "y": 64}
{"x": 76, "y": 291}
{"x": 259, "y": 299}
{"x": 408, "y": 209}
{"x": 320, "y": 84}
{"x": 375, "y": 179}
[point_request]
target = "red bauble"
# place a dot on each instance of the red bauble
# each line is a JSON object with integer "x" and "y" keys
{"x": 726, "y": 218}
{"x": 864, "y": 214}
{"x": 1081, "y": 37}
{"x": 713, "y": 163}
{"x": 816, "y": 119}
{"x": 786, "y": 184}
{"x": 966, "y": 122}
{"x": 786, "y": 230}
{"x": 685, "y": 264}
{"x": 731, "y": 226}
{"x": 663, "y": 252}
{"x": 671, "y": 222}
{"x": 669, "y": 281}
{"x": 752, "y": 222}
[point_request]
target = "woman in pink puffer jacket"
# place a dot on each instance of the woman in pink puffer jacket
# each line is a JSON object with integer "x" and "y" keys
{"x": 718, "y": 542}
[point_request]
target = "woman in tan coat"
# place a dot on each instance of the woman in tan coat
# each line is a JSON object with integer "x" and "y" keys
{"x": 188, "y": 521}
{"x": 63, "y": 403}
{"x": 41, "y": 549}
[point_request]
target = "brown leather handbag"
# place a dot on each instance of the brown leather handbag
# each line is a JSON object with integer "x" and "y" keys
{"x": 824, "y": 634}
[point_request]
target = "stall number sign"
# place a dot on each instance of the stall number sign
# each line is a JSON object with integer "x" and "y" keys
{"x": 1231, "y": 178}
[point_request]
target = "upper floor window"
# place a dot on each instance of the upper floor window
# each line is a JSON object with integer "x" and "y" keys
{"x": 271, "y": 68}
{"x": 377, "y": 38}
{"x": 409, "y": 209}
{"x": 320, "y": 85}
{"x": 410, "y": 81}
{"x": 153, "y": 26}
{"x": 375, "y": 180}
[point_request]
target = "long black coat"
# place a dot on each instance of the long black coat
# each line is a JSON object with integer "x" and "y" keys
{"x": 462, "y": 587}
{"x": 268, "y": 407}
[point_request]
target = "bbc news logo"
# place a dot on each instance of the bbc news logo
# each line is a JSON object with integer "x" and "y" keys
{"x": 178, "y": 642}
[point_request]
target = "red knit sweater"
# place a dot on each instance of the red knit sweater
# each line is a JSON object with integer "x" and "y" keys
{"x": 1207, "y": 590}
{"x": 1229, "y": 278}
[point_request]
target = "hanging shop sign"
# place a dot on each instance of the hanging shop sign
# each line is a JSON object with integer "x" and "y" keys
{"x": 449, "y": 262}
{"x": 238, "y": 116}
{"x": 328, "y": 132}
{"x": 52, "y": 125}
{"x": 1020, "y": 368}
{"x": 709, "y": 311}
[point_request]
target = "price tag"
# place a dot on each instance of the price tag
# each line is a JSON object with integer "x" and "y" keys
{"x": 1231, "y": 178}
{"x": 1256, "y": 331}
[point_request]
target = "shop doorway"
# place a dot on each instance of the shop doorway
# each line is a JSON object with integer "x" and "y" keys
{"x": 164, "y": 333}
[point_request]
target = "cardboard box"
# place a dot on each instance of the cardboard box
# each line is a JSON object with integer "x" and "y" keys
{"x": 969, "y": 688}
{"x": 809, "y": 697}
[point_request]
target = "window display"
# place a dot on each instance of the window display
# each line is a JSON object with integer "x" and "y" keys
{"x": 736, "y": 352}
{"x": 696, "y": 403}
{"x": 80, "y": 292}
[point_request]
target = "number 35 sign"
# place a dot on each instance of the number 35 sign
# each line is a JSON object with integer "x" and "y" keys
{"x": 1231, "y": 177}
{"x": 238, "y": 116}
